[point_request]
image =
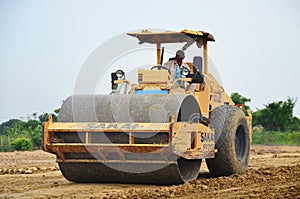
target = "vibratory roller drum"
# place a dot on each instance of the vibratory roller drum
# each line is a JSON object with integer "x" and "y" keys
{"x": 131, "y": 167}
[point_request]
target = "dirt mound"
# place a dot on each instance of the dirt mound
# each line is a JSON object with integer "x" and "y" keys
{"x": 26, "y": 170}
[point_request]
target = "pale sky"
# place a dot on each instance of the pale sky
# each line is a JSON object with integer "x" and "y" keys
{"x": 44, "y": 43}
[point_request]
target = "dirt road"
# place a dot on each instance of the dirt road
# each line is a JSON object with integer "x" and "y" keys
{"x": 274, "y": 172}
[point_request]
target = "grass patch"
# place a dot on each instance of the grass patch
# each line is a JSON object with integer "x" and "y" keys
{"x": 276, "y": 138}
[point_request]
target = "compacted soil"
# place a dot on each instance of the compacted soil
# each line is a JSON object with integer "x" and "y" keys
{"x": 273, "y": 172}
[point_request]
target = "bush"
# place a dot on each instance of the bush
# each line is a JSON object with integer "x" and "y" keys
{"x": 22, "y": 144}
{"x": 6, "y": 148}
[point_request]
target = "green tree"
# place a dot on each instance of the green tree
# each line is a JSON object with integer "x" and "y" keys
{"x": 36, "y": 136}
{"x": 32, "y": 124}
{"x": 14, "y": 126}
{"x": 295, "y": 124}
{"x": 44, "y": 117}
{"x": 239, "y": 99}
{"x": 277, "y": 116}
{"x": 31, "y": 130}
{"x": 56, "y": 111}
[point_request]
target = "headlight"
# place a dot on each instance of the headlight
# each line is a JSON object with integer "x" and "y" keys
{"x": 120, "y": 73}
{"x": 185, "y": 71}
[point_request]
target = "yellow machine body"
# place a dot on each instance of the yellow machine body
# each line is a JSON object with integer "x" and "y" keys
{"x": 184, "y": 139}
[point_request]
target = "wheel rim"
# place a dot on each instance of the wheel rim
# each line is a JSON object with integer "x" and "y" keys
{"x": 240, "y": 143}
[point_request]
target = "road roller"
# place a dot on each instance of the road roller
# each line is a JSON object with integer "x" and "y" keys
{"x": 157, "y": 130}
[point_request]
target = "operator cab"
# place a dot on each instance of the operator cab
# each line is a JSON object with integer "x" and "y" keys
{"x": 158, "y": 76}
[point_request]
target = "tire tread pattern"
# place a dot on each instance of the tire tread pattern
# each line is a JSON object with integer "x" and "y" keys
{"x": 225, "y": 120}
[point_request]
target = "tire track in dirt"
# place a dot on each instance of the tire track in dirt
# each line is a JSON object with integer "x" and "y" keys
{"x": 266, "y": 182}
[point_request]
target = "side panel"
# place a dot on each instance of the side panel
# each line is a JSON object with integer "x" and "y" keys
{"x": 192, "y": 140}
{"x": 202, "y": 96}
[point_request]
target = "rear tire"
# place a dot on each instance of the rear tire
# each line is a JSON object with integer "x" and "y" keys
{"x": 232, "y": 141}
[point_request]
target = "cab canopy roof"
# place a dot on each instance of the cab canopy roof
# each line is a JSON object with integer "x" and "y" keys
{"x": 146, "y": 36}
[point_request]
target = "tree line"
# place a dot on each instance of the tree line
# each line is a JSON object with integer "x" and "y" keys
{"x": 274, "y": 118}
{"x": 16, "y": 134}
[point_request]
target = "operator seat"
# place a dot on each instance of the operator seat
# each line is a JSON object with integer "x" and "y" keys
{"x": 198, "y": 69}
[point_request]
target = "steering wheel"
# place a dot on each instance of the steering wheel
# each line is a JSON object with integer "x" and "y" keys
{"x": 161, "y": 67}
